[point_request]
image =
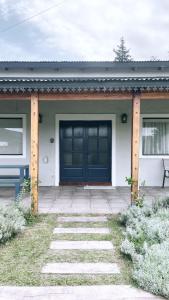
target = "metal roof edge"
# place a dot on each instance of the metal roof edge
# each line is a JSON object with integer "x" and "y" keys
{"x": 83, "y": 64}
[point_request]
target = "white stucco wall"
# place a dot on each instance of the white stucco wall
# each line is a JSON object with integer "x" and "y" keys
{"x": 150, "y": 168}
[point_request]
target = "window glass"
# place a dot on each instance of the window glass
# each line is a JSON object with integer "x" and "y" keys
{"x": 92, "y": 144}
{"x": 155, "y": 136}
{"x": 92, "y": 131}
{"x": 78, "y": 131}
{"x": 68, "y": 132}
{"x": 67, "y": 144}
{"x": 78, "y": 159}
{"x": 11, "y": 136}
{"x": 67, "y": 159}
{"x": 103, "y": 159}
{"x": 103, "y": 144}
{"x": 92, "y": 159}
{"x": 103, "y": 130}
{"x": 78, "y": 144}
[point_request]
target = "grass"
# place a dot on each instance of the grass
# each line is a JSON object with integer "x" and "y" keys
{"x": 23, "y": 257}
{"x": 83, "y": 279}
{"x": 80, "y": 237}
{"x": 83, "y": 224}
{"x": 117, "y": 237}
{"x": 81, "y": 256}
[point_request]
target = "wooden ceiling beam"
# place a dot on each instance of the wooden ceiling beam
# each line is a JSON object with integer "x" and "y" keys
{"x": 155, "y": 96}
{"x": 70, "y": 96}
{"x": 87, "y": 96}
{"x": 15, "y": 97}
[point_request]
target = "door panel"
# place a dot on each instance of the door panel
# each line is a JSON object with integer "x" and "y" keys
{"x": 85, "y": 151}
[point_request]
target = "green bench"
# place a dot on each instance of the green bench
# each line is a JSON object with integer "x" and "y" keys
{"x": 14, "y": 180}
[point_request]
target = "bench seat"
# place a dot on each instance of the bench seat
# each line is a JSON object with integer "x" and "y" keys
{"x": 12, "y": 181}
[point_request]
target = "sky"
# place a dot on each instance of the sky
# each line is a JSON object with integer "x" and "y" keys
{"x": 83, "y": 29}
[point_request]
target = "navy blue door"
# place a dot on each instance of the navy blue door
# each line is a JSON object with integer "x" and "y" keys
{"x": 85, "y": 151}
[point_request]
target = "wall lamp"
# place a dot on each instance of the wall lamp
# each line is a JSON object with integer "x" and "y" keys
{"x": 124, "y": 118}
{"x": 40, "y": 118}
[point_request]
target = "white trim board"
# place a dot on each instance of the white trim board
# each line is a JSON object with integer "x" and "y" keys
{"x": 85, "y": 117}
{"x": 23, "y": 116}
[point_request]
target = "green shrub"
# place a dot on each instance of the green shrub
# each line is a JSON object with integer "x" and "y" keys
{"x": 134, "y": 213}
{"x": 161, "y": 203}
{"x": 12, "y": 221}
{"x": 152, "y": 272}
{"x": 24, "y": 211}
{"x": 147, "y": 243}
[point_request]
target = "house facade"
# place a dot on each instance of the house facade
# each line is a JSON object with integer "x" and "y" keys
{"x": 85, "y": 122}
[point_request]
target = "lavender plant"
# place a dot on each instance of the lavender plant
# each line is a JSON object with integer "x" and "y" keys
{"x": 146, "y": 241}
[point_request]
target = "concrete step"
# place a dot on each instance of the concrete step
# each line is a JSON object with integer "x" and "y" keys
{"x": 81, "y": 268}
{"x": 81, "y": 245}
{"x": 82, "y": 219}
{"x": 78, "y": 230}
{"x": 103, "y": 292}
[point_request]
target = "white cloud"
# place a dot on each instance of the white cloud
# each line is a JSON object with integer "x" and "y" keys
{"x": 88, "y": 30}
{"x": 10, "y": 51}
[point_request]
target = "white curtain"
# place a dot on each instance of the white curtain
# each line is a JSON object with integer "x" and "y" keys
{"x": 155, "y": 137}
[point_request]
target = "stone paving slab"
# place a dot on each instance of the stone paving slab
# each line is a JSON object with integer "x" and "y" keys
{"x": 81, "y": 268}
{"x": 64, "y": 199}
{"x": 81, "y": 245}
{"x": 82, "y": 230}
{"x": 82, "y": 219}
{"x": 108, "y": 292}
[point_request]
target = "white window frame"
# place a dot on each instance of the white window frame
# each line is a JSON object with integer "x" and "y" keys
{"x": 85, "y": 117}
{"x": 23, "y": 117}
{"x": 159, "y": 116}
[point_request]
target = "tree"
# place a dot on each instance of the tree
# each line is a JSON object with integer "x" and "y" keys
{"x": 154, "y": 58}
{"x": 122, "y": 54}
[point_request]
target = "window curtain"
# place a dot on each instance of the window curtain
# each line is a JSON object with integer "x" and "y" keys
{"x": 155, "y": 137}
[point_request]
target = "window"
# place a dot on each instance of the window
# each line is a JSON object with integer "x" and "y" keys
{"x": 12, "y": 135}
{"x": 155, "y": 136}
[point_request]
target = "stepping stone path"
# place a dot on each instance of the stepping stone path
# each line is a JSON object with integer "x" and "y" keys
{"x": 81, "y": 268}
{"x": 98, "y": 292}
{"x": 82, "y": 219}
{"x": 82, "y": 230}
{"x": 81, "y": 245}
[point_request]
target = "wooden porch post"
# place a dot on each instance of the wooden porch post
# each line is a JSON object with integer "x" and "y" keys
{"x": 135, "y": 142}
{"x": 34, "y": 151}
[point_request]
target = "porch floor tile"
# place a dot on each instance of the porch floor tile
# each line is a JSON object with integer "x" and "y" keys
{"x": 77, "y": 200}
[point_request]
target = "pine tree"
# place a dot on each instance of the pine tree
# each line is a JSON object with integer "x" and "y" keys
{"x": 121, "y": 52}
{"x": 154, "y": 58}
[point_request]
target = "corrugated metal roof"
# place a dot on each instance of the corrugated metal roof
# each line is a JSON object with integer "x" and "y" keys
{"x": 84, "y": 84}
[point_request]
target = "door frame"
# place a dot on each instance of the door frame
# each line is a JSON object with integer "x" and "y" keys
{"x": 84, "y": 117}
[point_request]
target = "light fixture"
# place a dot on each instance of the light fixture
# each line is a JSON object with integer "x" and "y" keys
{"x": 124, "y": 118}
{"x": 40, "y": 118}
